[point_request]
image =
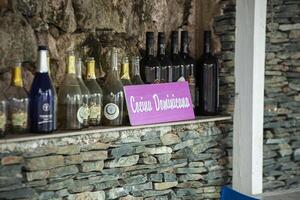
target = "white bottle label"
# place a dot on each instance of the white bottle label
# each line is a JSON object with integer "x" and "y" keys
{"x": 95, "y": 112}
{"x": 111, "y": 111}
{"x": 83, "y": 113}
{"x": 2, "y": 120}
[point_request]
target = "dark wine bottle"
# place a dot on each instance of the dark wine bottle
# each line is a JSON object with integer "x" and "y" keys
{"x": 208, "y": 80}
{"x": 165, "y": 62}
{"x": 42, "y": 97}
{"x": 177, "y": 61}
{"x": 189, "y": 64}
{"x": 149, "y": 64}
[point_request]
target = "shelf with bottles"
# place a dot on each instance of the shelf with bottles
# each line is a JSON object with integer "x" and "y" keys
{"x": 88, "y": 101}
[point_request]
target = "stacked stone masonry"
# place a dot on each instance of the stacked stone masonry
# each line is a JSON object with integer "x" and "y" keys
{"x": 282, "y": 89}
{"x": 171, "y": 162}
{"x": 282, "y": 92}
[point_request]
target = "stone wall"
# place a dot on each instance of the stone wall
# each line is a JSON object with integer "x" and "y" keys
{"x": 95, "y": 25}
{"x": 169, "y": 162}
{"x": 73, "y": 24}
{"x": 282, "y": 92}
{"x": 282, "y": 89}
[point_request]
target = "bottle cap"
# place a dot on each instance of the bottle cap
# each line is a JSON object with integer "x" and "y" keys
{"x": 42, "y": 47}
{"x": 207, "y": 34}
{"x": 174, "y": 34}
{"x": 184, "y": 36}
{"x": 150, "y": 34}
{"x": 161, "y": 37}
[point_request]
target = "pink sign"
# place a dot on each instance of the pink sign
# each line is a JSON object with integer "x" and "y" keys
{"x": 155, "y": 103}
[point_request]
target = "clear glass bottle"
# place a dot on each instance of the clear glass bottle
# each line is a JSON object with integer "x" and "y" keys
{"x": 125, "y": 77}
{"x": 70, "y": 98}
{"x": 113, "y": 100}
{"x": 3, "y": 115}
{"x": 96, "y": 93}
{"x": 42, "y": 97}
{"x": 84, "y": 111}
{"x": 18, "y": 102}
{"x": 136, "y": 77}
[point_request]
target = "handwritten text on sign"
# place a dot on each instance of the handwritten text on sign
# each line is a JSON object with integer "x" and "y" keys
{"x": 155, "y": 103}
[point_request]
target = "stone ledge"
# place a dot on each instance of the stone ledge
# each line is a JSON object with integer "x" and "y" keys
{"x": 13, "y": 138}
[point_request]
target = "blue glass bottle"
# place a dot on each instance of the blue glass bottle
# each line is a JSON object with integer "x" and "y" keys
{"x": 42, "y": 98}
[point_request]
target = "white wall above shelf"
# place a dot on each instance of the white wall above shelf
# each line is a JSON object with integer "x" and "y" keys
{"x": 14, "y": 138}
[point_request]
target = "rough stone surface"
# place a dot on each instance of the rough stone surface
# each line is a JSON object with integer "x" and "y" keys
{"x": 159, "y": 150}
{"x": 165, "y": 185}
{"x": 10, "y": 160}
{"x": 169, "y": 139}
{"x": 123, "y": 161}
{"x": 93, "y": 155}
{"x": 92, "y": 166}
{"x": 98, "y": 195}
{"x": 42, "y": 163}
{"x": 117, "y": 170}
{"x": 281, "y": 113}
{"x": 71, "y": 24}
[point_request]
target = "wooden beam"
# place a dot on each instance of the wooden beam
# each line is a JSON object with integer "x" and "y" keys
{"x": 249, "y": 102}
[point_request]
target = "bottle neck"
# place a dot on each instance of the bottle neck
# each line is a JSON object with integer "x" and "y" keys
{"x": 90, "y": 70}
{"x": 43, "y": 62}
{"x": 174, "y": 47}
{"x": 185, "y": 48}
{"x": 149, "y": 47}
{"x": 207, "y": 45}
{"x": 125, "y": 70}
{"x": 114, "y": 64}
{"x": 136, "y": 67}
{"x": 16, "y": 79}
{"x": 79, "y": 69}
{"x": 71, "y": 65}
{"x": 161, "y": 49}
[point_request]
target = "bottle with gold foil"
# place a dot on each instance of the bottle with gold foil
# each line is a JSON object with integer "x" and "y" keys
{"x": 70, "y": 98}
{"x": 3, "y": 115}
{"x": 125, "y": 77}
{"x": 18, "y": 102}
{"x": 84, "y": 110}
{"x": 96, "y": 93}
{"x": 113, "y": 99}
{"x": 126, "y": 80}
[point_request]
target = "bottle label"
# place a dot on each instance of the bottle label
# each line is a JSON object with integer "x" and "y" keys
{"x": 45, "y": 116}
{"x": 152, "y": 74}
{"x": 2, "y": 120}
{"x": 83, "y": 113}
{"x": 111, "y": 111}
{"x": 95, "y": 112}
{"x": 19, "y": 119}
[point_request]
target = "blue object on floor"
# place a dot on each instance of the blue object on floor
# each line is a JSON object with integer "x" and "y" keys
{"x": 230, "y": 194}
